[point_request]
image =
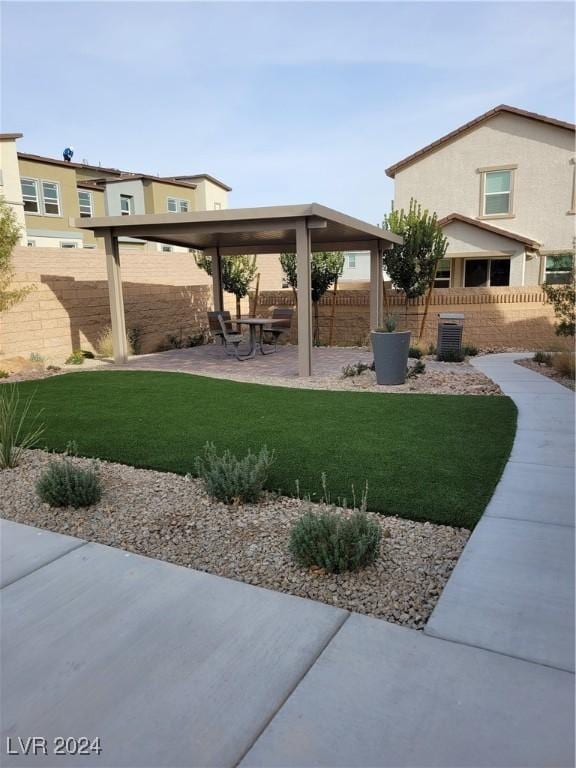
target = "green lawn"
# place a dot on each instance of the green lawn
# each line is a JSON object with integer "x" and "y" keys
{"x": 425, "y": 457}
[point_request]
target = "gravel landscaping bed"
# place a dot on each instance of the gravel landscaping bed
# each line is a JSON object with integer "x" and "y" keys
{"x": 170, "y": 517}
{"x": 549, "y": 371}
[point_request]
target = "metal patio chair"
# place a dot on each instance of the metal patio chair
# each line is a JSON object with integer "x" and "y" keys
{"x": 279, "y": 329}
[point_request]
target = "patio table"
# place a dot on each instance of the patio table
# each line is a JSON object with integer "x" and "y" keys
{"x": 257, "y": 322}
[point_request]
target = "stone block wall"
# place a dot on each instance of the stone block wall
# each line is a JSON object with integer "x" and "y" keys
{"x": 164, "y": 294}
{"x": 497, "y": 318}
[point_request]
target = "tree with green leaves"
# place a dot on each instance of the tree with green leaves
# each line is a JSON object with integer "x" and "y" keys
{"x": 563, "y": 299}
{"x": 237, "y": 274}
{"x": 325, "y": 268}
{"x": 412, "y": 266}
{"x": 9, "y": 236}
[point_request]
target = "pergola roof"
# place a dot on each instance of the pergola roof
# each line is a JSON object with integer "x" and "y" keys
{"x": 247, "y": 230}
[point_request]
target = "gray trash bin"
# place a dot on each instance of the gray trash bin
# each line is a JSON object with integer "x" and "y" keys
{"x": 450, "y": 329}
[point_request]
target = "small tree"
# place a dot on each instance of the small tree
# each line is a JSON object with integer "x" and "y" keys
{"x": 9, "y": 235}
{"x": 412, "y": 266}
{"x": 237, "y": 274}
{"x": 325, "y": 268}
{"x": 563, "y": 299}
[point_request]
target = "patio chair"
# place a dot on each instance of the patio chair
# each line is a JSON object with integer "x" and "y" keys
{"x": 231, "y": 339}
{"x": 279, "y": 329}
{"x": 214, "y": 324}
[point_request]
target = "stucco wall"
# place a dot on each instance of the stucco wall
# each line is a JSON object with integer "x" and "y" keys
{"x": 448, "y": 181}
{"x": 69, "y": 306}
{"x": 10, "y": 188}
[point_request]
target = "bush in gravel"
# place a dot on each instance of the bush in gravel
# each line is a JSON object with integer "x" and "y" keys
{"x": 63, "y": 484}
{"x": 451, "y": 356}
{"x": 542, "y": 358}
{"x": 76, "y": 358}
{"x": 415, "y": 352}
{"x": 18, "y": 428}
{"x": 3, "y": 374}
{"x": 470, "y": 350}
{"x": 232, "y": 480}
{"x": 333, "y": 542}
{"x": 418, "y": 368}
{"x": 564, "y": 363}
{"x": 349, "y": 371}
{"x": 105, "y": 345}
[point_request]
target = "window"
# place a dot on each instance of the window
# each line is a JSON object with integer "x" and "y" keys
{"x": 85, "y": 203}
{"x": 443, "y": 274}
{"x": 497, "y": 193}
{"x": 176, "y": 205}
{"x": 352, "y": 260}
{"x": 484, "y": 273}
{"x": 68, "y": 244}
{"x": 217, "y": 206}
{"x": 558, "y": 268}
{"x": 31, "y": 243}
{"x": 126, "y": 205}
{"x": 30, "y": 195}
{"x": 51, "y": 198}
{"x": 166, "y": 248}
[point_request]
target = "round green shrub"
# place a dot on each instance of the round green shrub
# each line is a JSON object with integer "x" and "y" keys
{"x": 334, "y": 542}
{"x": 63, "y": 484}
{"x": 232, "y": 480}
{"x": 415, "y": 353}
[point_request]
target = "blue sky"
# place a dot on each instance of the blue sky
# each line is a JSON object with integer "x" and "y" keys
{"x": 287, "y": 102}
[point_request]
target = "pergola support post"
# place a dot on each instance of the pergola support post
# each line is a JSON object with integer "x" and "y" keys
{"x": 304, "y": 280}
{"x": 376, "y": 288}
{"x": 117, "y": 317}
{"x": 217, "y": 291}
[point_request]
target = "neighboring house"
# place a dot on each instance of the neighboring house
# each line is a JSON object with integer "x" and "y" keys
{"x": 48, "y": 194}
{"x": 504, "y": 188}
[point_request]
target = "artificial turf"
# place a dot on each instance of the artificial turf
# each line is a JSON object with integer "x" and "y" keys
{"x": 425, "y": 457}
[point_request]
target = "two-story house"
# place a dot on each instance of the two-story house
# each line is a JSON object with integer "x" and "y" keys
{"x": 504, "y": 188}
{"x": 48, "y": 194}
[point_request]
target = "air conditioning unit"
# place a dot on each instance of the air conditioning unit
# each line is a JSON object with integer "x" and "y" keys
{"x": 450, "y": 329}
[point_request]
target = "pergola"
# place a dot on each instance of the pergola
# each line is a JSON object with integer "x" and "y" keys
{"x": 302, "y": 229}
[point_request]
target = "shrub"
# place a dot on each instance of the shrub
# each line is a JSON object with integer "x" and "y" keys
{"x": 4, "y": 374}
{"x": 418, "y": 368}
{"x": 18, "y": 429}
{"x": 389, "y": 325}
{"x": 470, "y": 350}
{"x": 542, "y": 358}
{"x": 135, "y": 339}
{"x": 451, "y": 356}
{"x": 350, "y": 371}
{"x": 334, "y": 542}
{"x": 415, "y": 352}
{"x": 76, "y": 358}
{"x": 184, "y": 342}
{"x": 87, "y": 355}
{"x": 105, "y": 346}
{"x": 233, "y": 480}
{"x": 63, "y": 484}
{"x": 564, "y": 363}
{"x": 431, "y": 348}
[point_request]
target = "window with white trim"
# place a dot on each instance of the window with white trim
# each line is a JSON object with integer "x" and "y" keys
{"x": 497, "y": 193}
{"x": 351, "y": 261}
{"x": 30, "y": 195}
{"x": 31, "y": 243}
{"x": 167, "y": 248}
{"x": 558, "y": 268}
{"x": 177, "y": 205}
{"x": 485, "y": 273}
{"x": 217, "y": 206}
{"x": 126, "y": 205}
{"x": 68, "y": 244}
{"x": 85, "y": 203}
{"x": 51, "y": 198}
{"x": 443, "y": 270}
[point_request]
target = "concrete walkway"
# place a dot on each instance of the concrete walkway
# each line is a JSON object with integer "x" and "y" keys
{"x": 512, "y": 590}
{"x": 174, "y": 667}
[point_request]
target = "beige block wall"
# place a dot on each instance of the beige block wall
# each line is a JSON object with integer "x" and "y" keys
{"x": 164, "y": 294}
{"x": 496, "y": 318}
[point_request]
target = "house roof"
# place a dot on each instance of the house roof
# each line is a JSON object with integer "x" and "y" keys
{"x": 247, "y": 230}
{"x": 181, "y": 181}
{"x": 197, "y": 176}
{"x": 502, "y": 108}
{"x": 143, "y": 177}
{"x": 10, "y": 136}
{"x": 489, "y": 228}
